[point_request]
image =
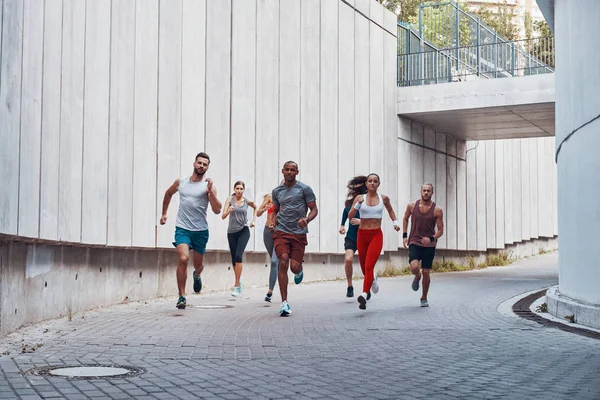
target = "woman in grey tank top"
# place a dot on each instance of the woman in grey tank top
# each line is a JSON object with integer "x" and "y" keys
{"x": 238, "y": 233}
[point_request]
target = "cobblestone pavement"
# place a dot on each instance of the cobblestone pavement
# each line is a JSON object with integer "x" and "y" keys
{"x": 461, "y": 347}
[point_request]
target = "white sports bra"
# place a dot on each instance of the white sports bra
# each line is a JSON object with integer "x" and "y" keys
{"x": 375, "y": 211}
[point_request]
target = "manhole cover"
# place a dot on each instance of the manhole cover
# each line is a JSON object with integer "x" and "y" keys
{"x": 88, "y": 372}
{"x": 211, "y": 307}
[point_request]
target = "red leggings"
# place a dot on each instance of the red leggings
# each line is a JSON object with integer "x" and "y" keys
{"x": 369, "y": 244}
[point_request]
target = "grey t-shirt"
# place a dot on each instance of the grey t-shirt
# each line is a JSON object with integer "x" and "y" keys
{"x": 293, "y": 205}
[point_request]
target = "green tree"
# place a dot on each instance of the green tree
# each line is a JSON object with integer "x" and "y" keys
{"x": 405, "y": 9}
{"x": 439, "y": 24}
{"x": 543, "y": 47}
{"x": 528, "y": 25}
{"x": 500, "y": 18}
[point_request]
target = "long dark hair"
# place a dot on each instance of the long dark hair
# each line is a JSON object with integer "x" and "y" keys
{"x": 356, "y": 186}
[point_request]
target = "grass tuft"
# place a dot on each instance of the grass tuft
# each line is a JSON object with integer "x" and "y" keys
{"x": 500, "y": 259}
{"x": 391, "y": 270}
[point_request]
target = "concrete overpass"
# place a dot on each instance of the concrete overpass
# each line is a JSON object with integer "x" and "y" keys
{"x": 507, "y": 108}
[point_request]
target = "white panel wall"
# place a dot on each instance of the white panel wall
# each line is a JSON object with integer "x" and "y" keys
{"x": 253, "y": 83}
{"x": 31, "y": 115}
{"x": 96, "y": 158}
{"x": 327, "y": 189}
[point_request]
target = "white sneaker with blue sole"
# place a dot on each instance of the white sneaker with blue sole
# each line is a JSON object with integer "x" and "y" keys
{"x": 285, "y": 309}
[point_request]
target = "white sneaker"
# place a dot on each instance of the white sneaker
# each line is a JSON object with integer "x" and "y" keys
{"x": 285, "y": 309}
{"x": 237, "y": 290}
{"x": 375, "y": 285}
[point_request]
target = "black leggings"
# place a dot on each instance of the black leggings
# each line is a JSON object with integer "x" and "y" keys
{"x": 237, "y": 244}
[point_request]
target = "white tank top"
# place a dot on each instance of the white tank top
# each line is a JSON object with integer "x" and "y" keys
{"x": 375, "y": 211}
{"x": 193, "y": 203}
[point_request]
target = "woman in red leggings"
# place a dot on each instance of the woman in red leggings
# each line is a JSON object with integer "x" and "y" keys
{"x": 370, "y": 236}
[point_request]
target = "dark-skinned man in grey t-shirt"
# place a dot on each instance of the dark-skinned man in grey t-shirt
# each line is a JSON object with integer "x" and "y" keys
{"x": 291, "y": 200}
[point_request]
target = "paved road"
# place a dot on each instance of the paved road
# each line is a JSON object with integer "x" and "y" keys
{"x": 461, "y": 347}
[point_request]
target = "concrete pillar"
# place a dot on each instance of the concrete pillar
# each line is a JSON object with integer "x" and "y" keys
{"x": 577, "y": 142}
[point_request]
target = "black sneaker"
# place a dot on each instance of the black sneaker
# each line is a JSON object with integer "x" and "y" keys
{"x": 268, "y": 297}
{"x": 197, "y": 283}
{"x": 350, "y": 292}
{"x": 181, "y": 303}
{"x": 369, "y": 295}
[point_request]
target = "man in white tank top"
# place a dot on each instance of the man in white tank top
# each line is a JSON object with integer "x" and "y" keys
{"x": 191, "y": 227}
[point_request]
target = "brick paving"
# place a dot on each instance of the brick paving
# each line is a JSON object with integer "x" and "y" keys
{"x": 461, "y": 347}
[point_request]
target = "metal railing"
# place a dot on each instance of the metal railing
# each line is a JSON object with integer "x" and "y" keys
{"x": 483, "y": 61}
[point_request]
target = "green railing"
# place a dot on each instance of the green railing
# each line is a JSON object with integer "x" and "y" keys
{"x": 449, "y": 44}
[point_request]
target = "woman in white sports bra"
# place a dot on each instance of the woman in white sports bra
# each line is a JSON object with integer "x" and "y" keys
{"x": 370, "y": 236}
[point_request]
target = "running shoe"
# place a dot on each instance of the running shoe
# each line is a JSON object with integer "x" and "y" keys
{"x": 285, "y": 309}
{"x": 197, "y": 283}
{"x": 350, "y": 291}
{"x": 298, "y": 277}
{"x": 362, "y": 301}
{"x": 237, "y": 290}
{"x": 424, "y": 303}
{"x": 268, "y": 297}
{"x": 181, "y": 303}
{"x": 415, "y": 284}
{"x": 375, "y": 285}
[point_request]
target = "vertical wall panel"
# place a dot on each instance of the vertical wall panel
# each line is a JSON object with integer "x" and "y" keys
{"x": 392, "y": 240}
{"x": 404, "y": 169}
{"x": 346, "y": 100}
{"x": 417, "y": 161}
{"x": 327, "y": 190}
{"x": 526, "y": 206}
{"x": 289, "y": 80}
{"x": 508, "y": 193}
{"x": 481, "y": 196}
{"x": 309, "y": 107}
{"x": 243, "y": 106}
{"x": 193, "y": 61}
{"x": 534, "y": 187}
{"x": 490, "y": 193}
{"x": 31, "y": 115}
{"x": 169, "y": 115}
{"x": 517, "y": 190}
{"x": 96, "y": 124}
{"x": 461, "y": 197}
{"x": 376, "y": 143}
{"x": 146, "y": 213}
{"x": 49, "y": 176}
{"x": 499, "y": 194}
{"x": 450, "y": 222}
{"x": 471, "y": 182}
{"x": 122, "y": 80}
{"x": 361, "y": 99}
{"x": 71, "y": 121}
{"x": 554, "y": 189}
{"x": 439, "y": 193}
{"x": 10, "y": 106}
{"x": 268, "y": 168}
{"x": 218, "y": 103}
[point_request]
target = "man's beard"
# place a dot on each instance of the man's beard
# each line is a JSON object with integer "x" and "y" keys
{"x": 199, "y": 173}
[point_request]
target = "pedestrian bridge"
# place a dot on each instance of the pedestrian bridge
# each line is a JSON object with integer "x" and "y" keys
{"x": 507, "y": 108}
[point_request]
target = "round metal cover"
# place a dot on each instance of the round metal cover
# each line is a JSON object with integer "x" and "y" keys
{"x": 86, "y": 372}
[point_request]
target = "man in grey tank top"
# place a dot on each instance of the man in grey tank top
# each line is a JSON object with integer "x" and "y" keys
{"x": 291, "y": 200}
{"x": 191, "y": 227}
{"x": 425, "y": 217}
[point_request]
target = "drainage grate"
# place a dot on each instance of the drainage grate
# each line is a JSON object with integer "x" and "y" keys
{"x": 522, "y": 309}
{"x": 88, "y": 371}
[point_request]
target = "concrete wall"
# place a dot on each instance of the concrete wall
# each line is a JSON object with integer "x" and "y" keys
{"x": 577, "y": 144}
{"x": 104, "y": 104}
{"x": 494, "y": 193}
